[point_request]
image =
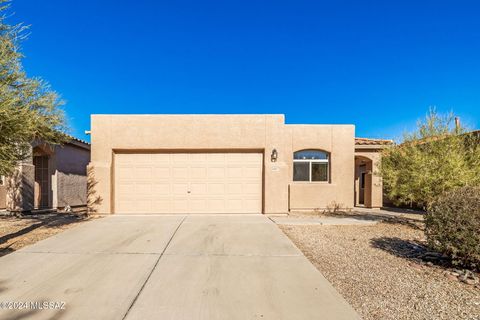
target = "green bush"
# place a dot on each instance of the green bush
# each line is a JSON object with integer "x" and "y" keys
{"x": 437, "y": 157}
{"x": 452, "y": 225}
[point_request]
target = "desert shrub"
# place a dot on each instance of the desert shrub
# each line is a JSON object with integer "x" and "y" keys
{"x": 437, "y": 157}
{"x": 452, "y": 225}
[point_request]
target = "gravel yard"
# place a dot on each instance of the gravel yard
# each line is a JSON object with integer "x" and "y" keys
{"x": 18, "y": 232}
{"x": 368, "y": 266}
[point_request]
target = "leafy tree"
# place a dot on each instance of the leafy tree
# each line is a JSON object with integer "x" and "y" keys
{"x": 437, "y": 157}
{"x": 29, "y": 109}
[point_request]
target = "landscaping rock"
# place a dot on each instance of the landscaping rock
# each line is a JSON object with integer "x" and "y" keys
{"x": 391, "y": 280}
{"x": 451, "y": 277}
{"x": 470, "y": 281}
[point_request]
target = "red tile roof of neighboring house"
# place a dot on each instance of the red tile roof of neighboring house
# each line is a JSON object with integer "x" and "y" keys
{"x": 372, "y": 142}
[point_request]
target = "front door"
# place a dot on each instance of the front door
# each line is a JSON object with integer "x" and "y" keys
{"x": 41, "y": 182}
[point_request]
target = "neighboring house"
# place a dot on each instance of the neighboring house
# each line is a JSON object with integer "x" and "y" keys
{"x": 52, "y": 178}
{"x": 229, "y": 164}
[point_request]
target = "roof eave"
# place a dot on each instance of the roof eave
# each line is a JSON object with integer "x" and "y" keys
{"x": 79, "y": 144}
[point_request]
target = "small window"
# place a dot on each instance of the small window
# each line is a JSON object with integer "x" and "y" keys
{"x": 2, "y": 180}
{"x": 311, "y": 165}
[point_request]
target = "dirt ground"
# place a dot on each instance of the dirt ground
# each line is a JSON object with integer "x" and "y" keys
{"x": 18, "y": 232}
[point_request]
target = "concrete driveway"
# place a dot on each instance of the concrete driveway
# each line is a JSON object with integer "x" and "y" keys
{"x": 168, "y": 267}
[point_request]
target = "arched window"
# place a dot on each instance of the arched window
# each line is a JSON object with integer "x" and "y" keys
{"x": 311, "y": 165}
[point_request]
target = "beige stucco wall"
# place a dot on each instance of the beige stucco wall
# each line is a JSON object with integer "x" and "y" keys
{"x": 111, "y": 133}
{"x": 339, "y": 141}
{"x": 20, "y": 187}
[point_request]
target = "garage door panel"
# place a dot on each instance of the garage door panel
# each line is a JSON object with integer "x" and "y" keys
{"x": 124, "y": 205}
{"x": 198, "y": 172}
{"x": 138, "y": 159}
{"x": 180, "y": 189}
{"x": 234, "y": 188}
{"x": 139, "y": 197}
{"x": 159, "y": 158}
{"x": 216, "y": 173}
{"x": 216, "y": 188}
{"x": 179, "y": 157}
{"x": 188, "y": 183}
{"x": 124, "y": 171}
{"x": 160, "y": 189}
{"x": 180, "y": 172}
{"x": 250, "y": 204}
{"x": 161, "y": 172}
{"x": 144, "y": 206}
{"x": 197, "y": 157}
{"x": 235, "y": 172}
{"x": 216, "y": 205}
{"x": 142, "y": 173}
{"x": 252, "y": 188}
{"x": 198, "y": 205}
{"x": 233, "y": 205}
{"x": 143, "y": 188}
{"x": 235, "y": 157}
{"x": 215, "y": 157}
{"x": 134, "y": 206}
{"x": 251, "y": 173}
{"x": 125, "y": 188}
{"x": 162, "y": 205}
{"x": 252, "y": 157}
{"x": 197, "y": 189}
{"x": 180, "y": 205}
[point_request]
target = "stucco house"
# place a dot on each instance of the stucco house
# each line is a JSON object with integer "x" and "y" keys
{"x": 229, "y": 164}
{"x": 52, "y": 178}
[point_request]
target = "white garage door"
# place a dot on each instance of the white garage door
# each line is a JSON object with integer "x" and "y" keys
{"x": 188, "y": 182}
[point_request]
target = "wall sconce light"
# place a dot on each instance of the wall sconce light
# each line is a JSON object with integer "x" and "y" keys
{"x": 274, "y": 155}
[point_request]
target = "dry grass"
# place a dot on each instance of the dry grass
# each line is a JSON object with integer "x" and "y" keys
{"x": 369, "y": 269}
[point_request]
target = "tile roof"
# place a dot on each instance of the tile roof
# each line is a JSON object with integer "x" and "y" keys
{"x": 372, "y": 142}
{"x": 77, "y": 140}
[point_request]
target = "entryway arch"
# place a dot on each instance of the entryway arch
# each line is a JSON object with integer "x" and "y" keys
{"x": 364, "y": 181}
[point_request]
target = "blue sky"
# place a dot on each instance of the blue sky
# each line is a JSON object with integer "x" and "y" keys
{"x": 377, "y": 64}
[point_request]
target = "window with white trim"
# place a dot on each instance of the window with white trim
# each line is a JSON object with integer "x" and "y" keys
{"x": 311, "y": 166}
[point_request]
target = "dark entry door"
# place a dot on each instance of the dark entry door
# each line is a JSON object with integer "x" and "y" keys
{"x": 361, "y": 193}
{"x": 41, "y": 181}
